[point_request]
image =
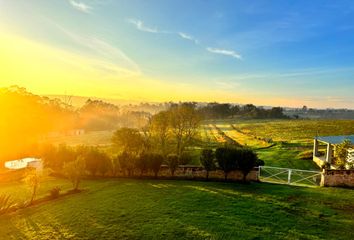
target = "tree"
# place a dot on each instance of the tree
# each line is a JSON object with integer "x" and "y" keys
{"x": 127, "y": 163}
{"x": 225, "y": 160}
{"x": 246, "y": 160}
{"x": 341, "y": 153}
{"x": 74, "y": 171}
{"x": 159, "y": 127}
{"x": 32, "y": 180}
{"x": 172, "y": 162}
{"x": 185, "y": 158}
{"x": 115, "y": 165}
{"x": 141, "y": 163}
{"x": 91, "y": 156}
{"x": 154, "y": 163}
{"x": 184, "y": 122}
{"x": 129, "y": 139}
{"x": 207, "y": 160}
{"x": 104, "y": 163}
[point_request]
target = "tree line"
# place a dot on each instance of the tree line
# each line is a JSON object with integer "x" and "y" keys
{"x": 216, "y": 110}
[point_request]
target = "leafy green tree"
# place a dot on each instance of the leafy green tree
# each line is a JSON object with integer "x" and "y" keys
{"x": 225, "y": 160}
{"x": 159, "y": 127}
{"x": 184, "y": 123}
{"x": 154, "y": 163}
{"x": 115, "y": 165}
{"x": 207, "y": 159}
{"x": 32, "y": 180}
{"x": 172, "y": 162}
{"x": 127, "y": 163}
{"x": 185, "y": 158}
{"x": 142, "y": 162}
{"x": 91, "y": 156}
{"x": 104, "y": 163}
{"x": 341, "y": 153}
{"x": 128, "y": 139}
{"x": 74, "y": 171}
{"x": 246, "y": 160}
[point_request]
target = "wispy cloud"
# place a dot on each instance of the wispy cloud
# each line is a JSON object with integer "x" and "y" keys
{"x": 188, "y": 37}
{"x": 80, "y": 6}
{"x": 227, "y": 85}
{"x": 225, "y": 52}
{"x": 107, "y": 56}
{"x": 140, "y": 26}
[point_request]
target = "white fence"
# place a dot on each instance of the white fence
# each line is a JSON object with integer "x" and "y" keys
{"x": 289, "y": 176}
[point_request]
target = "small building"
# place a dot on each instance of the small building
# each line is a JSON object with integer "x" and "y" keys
{"x": 25, "y": 163}
{"x": 330, "y": 143}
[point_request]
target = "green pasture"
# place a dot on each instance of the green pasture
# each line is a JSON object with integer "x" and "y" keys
{"x": 166, "y": 209}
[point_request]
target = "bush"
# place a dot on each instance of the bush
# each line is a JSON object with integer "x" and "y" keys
{"x": 246, "y": 160}
{"x": 326, "y": 166}
{"x": 172, "y": 162}
{"x": 32, "y": 180}
{"x": 185, "y": 158}
{"x": 74, "y": 171}
{"x": 242, "y": 159}
{"x": 259, "y": 162}
{"x": 127, "y": 162}
{"x": 55, "y": 192}
{"x": 207, "y": 160}
{"x": 225, "y": 160}
{"x": 5, "y": 204}
{"x": 141, "y": 163}
{"x": 154, "y": 163}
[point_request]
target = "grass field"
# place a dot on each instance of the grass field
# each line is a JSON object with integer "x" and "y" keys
{"x": 148, "y": 209}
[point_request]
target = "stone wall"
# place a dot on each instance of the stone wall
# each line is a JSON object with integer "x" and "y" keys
{"x": 197, "y": 172}
{"x": 337, "y": 178}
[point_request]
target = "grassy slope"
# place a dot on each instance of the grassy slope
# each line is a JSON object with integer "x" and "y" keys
{"x": 134, "y": 209}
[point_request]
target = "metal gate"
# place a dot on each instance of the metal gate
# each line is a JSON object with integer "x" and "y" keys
{"x": 289, "y": 176}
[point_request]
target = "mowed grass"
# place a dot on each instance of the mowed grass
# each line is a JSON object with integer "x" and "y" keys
{"x": 166, "y": 209}
{"x": 20, "y": 192}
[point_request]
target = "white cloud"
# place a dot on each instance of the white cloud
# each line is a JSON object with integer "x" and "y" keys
{"x": 188, "y": 37}
{"x": 80, "y": 6}
{"x": 108, "y": 57}
{"x": 225, "y": 52}
{"x": 140, "y": 26}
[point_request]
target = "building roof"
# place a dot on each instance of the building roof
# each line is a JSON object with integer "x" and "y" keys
{"x": 20, "y": 163}
{"x": 336, "y": 139}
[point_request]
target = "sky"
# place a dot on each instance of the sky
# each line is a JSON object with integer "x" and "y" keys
{"x": 270, "y": 53}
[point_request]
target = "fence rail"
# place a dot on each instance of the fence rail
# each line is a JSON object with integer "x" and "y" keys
{"x": 289, "y": 176}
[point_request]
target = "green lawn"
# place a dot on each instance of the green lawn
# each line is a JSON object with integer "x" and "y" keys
{"x": 148, "y": 209}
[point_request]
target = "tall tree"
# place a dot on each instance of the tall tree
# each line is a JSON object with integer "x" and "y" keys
{"x": 184, "y": 122}
{"x": 159, "y": 127}
{"x": 128, "y": 140}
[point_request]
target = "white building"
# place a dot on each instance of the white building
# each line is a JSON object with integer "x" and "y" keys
{"x": 25, "y": 163}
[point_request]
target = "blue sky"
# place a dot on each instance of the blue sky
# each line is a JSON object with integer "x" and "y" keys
{"x": 287, "y": 53}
